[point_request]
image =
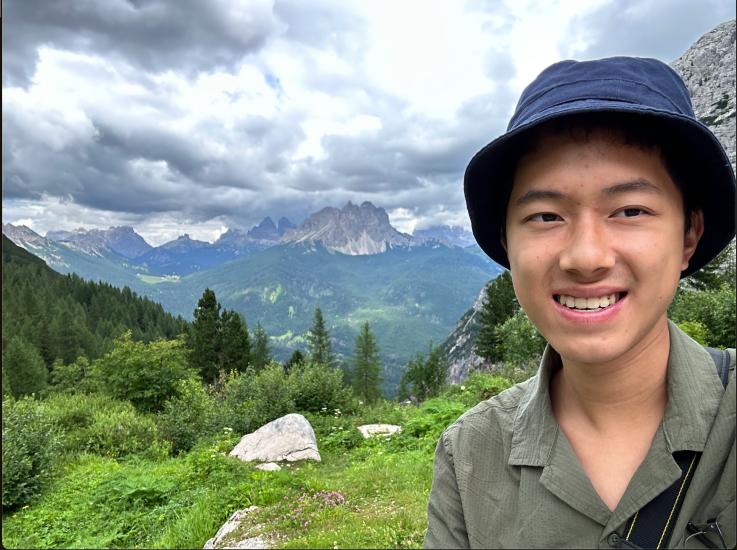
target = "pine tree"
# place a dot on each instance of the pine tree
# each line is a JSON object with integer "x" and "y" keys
{"x": 426, "y": 375}
{"x": 24, "y": 368}
{"x": 261, "y": 353}
{"x": 204, "y": 336}
{"x": 321, "y": 348}
{"x": 366, "y": 365}
{"x": 500, "y": 304}
{"x": 296, "y": 359}
{"x": 235, "y": 343}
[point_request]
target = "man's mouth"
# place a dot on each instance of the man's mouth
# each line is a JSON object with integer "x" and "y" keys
{"x": 588, "y": 305}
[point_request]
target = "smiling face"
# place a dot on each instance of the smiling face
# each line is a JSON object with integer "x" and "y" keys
{"x": 595, "y": 241}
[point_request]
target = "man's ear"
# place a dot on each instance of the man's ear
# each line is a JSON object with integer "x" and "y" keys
{"x": 503, "y": 239}
{"x": 692, "y": 237}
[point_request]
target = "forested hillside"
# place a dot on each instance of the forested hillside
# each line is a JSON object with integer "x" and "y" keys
{"x": 48, "y": 316}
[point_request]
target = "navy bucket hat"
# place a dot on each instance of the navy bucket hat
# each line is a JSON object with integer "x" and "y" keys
{"x": 625, "y": 85}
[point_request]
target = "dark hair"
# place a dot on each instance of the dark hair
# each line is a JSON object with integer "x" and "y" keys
{"x": 635, "y": 130}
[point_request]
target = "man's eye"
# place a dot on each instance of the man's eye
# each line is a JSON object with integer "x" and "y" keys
{"x": 545, "y": 217}
{"x": 629, "y": 213}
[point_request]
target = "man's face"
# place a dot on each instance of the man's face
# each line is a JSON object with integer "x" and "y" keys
{"x": 599, "y": 226}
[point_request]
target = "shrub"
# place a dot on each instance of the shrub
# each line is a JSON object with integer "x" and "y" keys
{"x": 144, "y": 374}
{"x": 189, "y": 416}
{"x": 479, "y": 386}
{"x": 315, "y": 386}
{"x": 31, "y": 440}
{"x": 695, "y": 330}
{"x": 433, "y": 417}
{"x": 520, "y": 341}
{"x": 713, "y": 309}
{"x": 273, "y": 395}
{"x": 99, "y": 424}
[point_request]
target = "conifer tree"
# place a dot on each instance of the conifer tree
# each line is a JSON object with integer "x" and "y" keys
{"x": 204, "y": 336}
{"x": 366, "y": 365}
{"x": 500, "y": 304}
{"x": 235, "y": 344}
{"x": 261, "y": 353}
{"x": 321, "y": 348}
{"x": 24, "y": 368}
{"x": 426, "y": 375}
{"x": 297, "y": 358}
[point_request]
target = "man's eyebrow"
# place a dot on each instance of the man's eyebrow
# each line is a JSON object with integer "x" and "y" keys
{"x": 640, "y": 184}
{"x": 540, "y": 194}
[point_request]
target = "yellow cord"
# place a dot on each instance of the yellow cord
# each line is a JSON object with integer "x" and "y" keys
{"x": 676, "y": 502}
{"x": 634, "y": 519}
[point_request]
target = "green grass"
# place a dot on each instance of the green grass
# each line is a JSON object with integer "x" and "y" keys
{"x": 180, "y": 502}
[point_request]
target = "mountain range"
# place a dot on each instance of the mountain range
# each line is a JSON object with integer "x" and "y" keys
{"x": 350, "y": 261}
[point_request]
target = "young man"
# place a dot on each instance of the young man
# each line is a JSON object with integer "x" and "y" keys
{"x": 603, "y": 193}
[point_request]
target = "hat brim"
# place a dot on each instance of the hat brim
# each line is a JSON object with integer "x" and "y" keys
{"x": 491, "y": 171}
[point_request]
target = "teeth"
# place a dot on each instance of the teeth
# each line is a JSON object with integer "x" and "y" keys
{"x": 587, "y": 303}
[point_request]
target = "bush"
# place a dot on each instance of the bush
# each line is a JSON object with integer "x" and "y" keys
{"x": 189, "y": 416}
{"x": 273, "y": 395}
{"x": 317, "y": 386}
{"x": 695, "y": 330}
{"x": 433, "y": 417}
{"x": 99, "y": 424}
{"x": 478, "y": 387}
{"x": 712, "y": 309}
{"x": 144, "y": 374}
{"x": 30, "y": 442}
{"x": 520, "y": 341}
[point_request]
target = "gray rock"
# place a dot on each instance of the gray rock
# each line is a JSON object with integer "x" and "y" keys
{"x": 371, "y": 430}
{"x": 269, "y": 467}
{"x": 287, "y": 438}
{"x": 228, "y": 527}
{"x": 708, "y": 69}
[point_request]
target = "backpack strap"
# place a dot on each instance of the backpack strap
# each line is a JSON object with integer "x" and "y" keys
{"x": 651, "y": 526}
{"x": 721, "y": 361}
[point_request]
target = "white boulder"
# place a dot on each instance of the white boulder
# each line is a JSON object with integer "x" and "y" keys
{"x": 269, "y": 467}
{"x": 287, "y": 438}
{"x": 228, "y": 527}
{"x": 386, "y": 430}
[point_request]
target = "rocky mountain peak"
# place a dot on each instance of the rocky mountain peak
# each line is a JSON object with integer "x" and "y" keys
{"x": 353, "y": 230}
{"x": 708, "y": 69}
{"x": 284, "y": 225}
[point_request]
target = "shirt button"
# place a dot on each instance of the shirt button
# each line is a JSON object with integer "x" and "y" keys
{"x": 613, "y": 539}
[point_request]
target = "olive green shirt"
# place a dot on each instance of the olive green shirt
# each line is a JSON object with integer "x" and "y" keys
{"x": 505, "y": 475}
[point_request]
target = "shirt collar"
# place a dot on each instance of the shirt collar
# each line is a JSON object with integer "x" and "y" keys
{"x": 694, "y": 394}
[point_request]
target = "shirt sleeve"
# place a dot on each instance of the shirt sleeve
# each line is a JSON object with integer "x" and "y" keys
{"x": 446, "y": 526}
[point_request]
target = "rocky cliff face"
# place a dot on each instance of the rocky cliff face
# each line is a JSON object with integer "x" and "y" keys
{"x": 123, "y": 240}
{"x": 354, "y": 230}
{"x": 455, "y": 235}
{"x": 708, "y": 69}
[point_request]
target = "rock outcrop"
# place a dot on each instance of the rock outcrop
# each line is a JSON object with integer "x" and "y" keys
{"x": 372, "y": 430}
{"x": 287, "y": 438}
{"x": 353, "y": 230}
{"x": 222, "y": 540}
{"x": 708, "y": 69}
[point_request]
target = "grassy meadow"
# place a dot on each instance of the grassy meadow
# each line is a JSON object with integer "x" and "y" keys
{"x": 377, "y": 488}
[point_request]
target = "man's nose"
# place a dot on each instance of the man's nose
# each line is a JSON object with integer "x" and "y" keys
{"x": 588, "y": 249}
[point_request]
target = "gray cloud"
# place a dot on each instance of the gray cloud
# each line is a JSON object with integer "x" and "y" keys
{"x": 663, "y": 30}
{"x": 189, "y": 36}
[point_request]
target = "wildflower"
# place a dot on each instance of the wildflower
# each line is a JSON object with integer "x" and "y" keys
{"x": 24, "y": 507}
{"x": 120, "y": 427}
{"x": 463, "y": 387}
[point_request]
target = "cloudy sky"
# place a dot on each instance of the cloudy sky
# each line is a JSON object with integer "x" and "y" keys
{"x": 194, "y": 116}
